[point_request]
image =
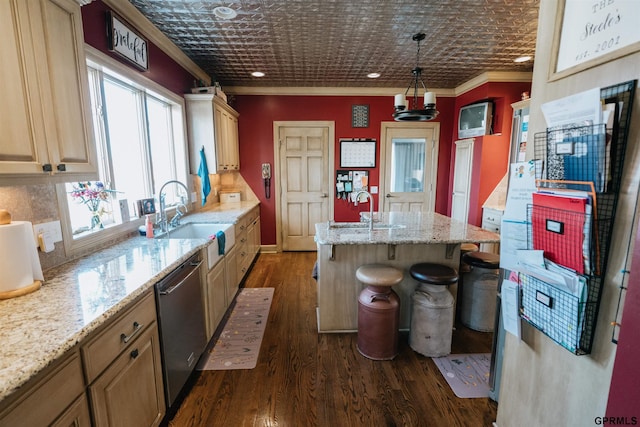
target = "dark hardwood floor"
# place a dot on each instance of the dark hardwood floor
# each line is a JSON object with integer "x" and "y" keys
{"x": 306, "y": 379}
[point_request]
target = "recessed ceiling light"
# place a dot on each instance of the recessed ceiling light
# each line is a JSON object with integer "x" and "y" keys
{"x": 257, "y": 74}
{"x": 224, "y": 12}
{"x": 522, "y": 59}
{"x": 373, "y": 75}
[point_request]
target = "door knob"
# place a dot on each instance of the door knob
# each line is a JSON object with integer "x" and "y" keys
{"x": 324, "y": 195}
{"x": 388, "y": 196}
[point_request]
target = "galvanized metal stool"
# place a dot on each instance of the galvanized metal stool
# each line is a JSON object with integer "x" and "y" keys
{"x": 432, "y": 310}
{"x": 479, "y": 297}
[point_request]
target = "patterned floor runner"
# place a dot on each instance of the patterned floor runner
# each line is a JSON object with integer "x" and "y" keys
{"x": 239, "y": 343}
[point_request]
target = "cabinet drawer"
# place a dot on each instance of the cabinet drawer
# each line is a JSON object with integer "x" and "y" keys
{"x": 49, "y": 397}
{"x": 99, "y": 352}
{"x": 491, "y": 219}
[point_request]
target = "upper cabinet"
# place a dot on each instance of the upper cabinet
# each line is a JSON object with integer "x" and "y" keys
{"x": 45, "y": 108}
{"x": 212, "y": 124}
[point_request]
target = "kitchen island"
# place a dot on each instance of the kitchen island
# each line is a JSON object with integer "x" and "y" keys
{"x": 398, "y": 239}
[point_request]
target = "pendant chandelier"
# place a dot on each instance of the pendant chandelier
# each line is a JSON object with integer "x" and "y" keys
{"x": 422, "y": 110}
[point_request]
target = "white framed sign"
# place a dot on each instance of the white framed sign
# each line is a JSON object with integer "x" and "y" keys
{"x": 592, "y": 33}
{"x": 126, "y": 42}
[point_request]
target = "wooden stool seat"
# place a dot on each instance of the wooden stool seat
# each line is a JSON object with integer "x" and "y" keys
{"x": 378, "y": 275}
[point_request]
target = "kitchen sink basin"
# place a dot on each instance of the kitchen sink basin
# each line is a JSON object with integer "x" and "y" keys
{"x": 205, "y": 231}
{"x": 365, "y": 225}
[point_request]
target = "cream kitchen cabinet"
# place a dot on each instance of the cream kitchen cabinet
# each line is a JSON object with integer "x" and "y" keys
{"x": 123, "y": 369}
{"x": 247, "y": 240}
{"x": 212, "y": 124}
{"x": 56, "y": 398}
{"x": 216, "y": 297}
{"x": 44, "y": 109}
{"x": 232, "y": 278}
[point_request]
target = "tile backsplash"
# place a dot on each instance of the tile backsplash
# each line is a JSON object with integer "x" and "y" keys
{"x": 35, "y": 203}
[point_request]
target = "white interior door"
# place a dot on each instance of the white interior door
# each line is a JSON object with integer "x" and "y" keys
{"x": 305, "y": 194}
{"x": 462, "y": 180}
{"x": 409, "y": 166}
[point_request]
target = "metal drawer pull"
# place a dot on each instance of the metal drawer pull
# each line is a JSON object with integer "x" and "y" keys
{"x": 134, "y": 353}
{"x": 137, "y": 327}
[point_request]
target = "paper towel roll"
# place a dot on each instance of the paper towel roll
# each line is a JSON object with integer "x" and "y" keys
{"x": 19, "y": 262}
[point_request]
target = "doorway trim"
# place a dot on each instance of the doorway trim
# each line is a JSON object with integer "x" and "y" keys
{"x": 383, "y": 156}
{"x": 276, "y": 167}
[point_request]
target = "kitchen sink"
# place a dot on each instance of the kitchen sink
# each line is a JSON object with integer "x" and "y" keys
{"x": 365, "y": 225}
{"x": 204, "y": 231}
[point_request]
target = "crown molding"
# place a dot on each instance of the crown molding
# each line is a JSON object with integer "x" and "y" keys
{"x": 324, "y": 91}
{"x": 493, "y": 77}
{"x": 488, "y": 77}
{"x": 146, "y": 27}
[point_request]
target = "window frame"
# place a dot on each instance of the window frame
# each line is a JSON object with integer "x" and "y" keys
{"x": 85, "y": 244}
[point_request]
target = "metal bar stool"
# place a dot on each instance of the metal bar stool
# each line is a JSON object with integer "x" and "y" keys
{"x": 478, "y": 306}
{"x": 432, "y": 310}
{"x": 378, "y": 311}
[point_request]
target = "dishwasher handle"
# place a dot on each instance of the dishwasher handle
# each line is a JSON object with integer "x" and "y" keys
{"x": 183, "y": 281}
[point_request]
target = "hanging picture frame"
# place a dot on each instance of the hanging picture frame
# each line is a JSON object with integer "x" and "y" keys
{"x": 126, "y": 42}
{"x": 590, "y": 34}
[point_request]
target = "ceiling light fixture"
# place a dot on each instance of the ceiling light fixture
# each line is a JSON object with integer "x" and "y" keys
{"x": 257, "y": 74}
{"x": 522, "y": 59}
{"x": 373, "y": 75}
{"x": 224, "y": 12}
{"x": 417, "y": 114}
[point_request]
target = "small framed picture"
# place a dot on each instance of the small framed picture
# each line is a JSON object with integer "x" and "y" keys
{"x": 146, "y": 207}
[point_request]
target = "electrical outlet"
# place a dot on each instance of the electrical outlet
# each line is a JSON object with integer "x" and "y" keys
{"x": 52, "y": 228}
{"x": 194, "y": 197}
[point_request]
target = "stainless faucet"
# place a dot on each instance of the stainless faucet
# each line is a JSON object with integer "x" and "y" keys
{"x": 370, "y": 206}
{"x": 164, "y": 224}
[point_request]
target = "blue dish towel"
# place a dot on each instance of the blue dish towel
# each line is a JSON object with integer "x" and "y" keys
{"x": 221, "y": 240}
{"x": 203, "y": 173}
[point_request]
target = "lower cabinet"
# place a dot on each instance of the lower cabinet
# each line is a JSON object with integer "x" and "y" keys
{"x": 130, "y": 391}
{"x": 215, "y": 297}
{"x": 58, "y": 398}
{"x": 124, "y": 368}
{"x": 233, "y": 280}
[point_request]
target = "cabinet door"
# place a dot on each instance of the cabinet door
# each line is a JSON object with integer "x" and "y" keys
{"x": 77, "y": 415}
{"x": 21, "y": 142}
{"x": 130, "y": 392}
{"x": 74, "y": 150}
{"x": 232, "y": 279}
{"x": 44, "y": 403}
{"x": 226, "y": 138}
{"x": 233, "y": 150}
{"x": 216, "y": 297}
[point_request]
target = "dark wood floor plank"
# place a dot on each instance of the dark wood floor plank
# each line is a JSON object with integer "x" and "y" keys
{"x": 303, "y": 378}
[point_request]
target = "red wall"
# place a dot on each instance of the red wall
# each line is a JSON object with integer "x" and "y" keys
{"x": 257, "y": 114}
{"x": 490, "y": 152}
{"x": 623, "y": 391}
{"x": 162, "y": 69}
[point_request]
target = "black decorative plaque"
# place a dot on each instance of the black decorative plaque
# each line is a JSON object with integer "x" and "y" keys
{"x": 360, "y": 116}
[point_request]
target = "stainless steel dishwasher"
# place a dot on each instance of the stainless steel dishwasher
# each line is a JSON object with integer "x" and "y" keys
{"x": 182, "y": 325}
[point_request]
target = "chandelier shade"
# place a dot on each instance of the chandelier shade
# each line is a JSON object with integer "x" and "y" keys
{"x": 423, "y": 109}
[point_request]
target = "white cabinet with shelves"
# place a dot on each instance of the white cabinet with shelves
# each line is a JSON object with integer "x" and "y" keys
{"x": 212, "y": 124}
{"x": 45, "y": 110}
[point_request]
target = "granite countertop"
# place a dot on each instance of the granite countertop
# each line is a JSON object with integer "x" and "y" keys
{"x": 401, "y": 228}
{"x": 79, "y": 296}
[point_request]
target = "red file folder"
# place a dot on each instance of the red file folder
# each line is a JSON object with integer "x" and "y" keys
{"x": 557, "y": 224}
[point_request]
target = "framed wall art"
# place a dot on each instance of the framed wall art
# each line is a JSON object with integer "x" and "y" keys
{"x": 593, "y": 33}
{"x": 126, "y": 42}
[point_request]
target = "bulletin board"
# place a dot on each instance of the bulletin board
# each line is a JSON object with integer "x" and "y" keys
{"x": 360, "y": 153}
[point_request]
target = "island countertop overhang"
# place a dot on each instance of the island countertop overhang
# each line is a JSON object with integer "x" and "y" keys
{"x": 400, "y": 228}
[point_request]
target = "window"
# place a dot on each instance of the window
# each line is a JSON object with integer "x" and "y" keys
{"x": 139, "y": 134}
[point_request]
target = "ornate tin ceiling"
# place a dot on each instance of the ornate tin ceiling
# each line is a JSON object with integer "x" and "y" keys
{"x": 336, "y": 43}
